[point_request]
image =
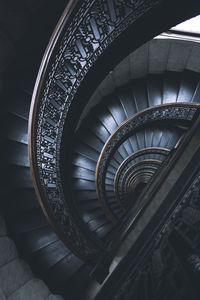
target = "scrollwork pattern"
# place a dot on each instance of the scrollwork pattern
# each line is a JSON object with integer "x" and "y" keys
{"x": 153, "y": 263}
{"x": 181, "y": 112}
{"x": 119, "y": 187}
{"x": 95, "y": 25}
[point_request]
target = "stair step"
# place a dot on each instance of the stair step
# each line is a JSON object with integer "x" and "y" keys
{"x": 34, "y": 289}
{"x": 2, "y": 295}
{"x": 15, "y": 128}
{"x": 46, "y": 257}
{"x": 18, "y": 103}
{"x": 54, "y": 297}
{"x": 8, "y": 251}
{"x": 13, "y": 275}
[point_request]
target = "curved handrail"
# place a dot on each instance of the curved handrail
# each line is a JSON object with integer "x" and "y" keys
{"x": 132, "y": 157}
{"x": 39, "y": 85}
{"x": 152, "y": 188}
{"x": 162, "y": 113}
{"x": 73, "y": 51}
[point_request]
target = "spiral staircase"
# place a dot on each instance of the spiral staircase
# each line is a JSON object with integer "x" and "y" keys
{"x": 104, "y": 169}
{"x": 147, "y": 147}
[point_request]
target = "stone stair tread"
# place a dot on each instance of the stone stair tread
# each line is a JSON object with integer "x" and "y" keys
{"x": 8, "y": 250}
{"x": 34, "y": 289}
{"x": 2, "y": 296}
{"x": 14, "y": 275}
{"x": 54, "y": 297}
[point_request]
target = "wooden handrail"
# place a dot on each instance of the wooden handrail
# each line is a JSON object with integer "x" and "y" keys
{"x": 145, "y": 198}
{"x": 75, "y": 235}
{"x": 152, "y": 188}
{"x": 39, "y": 84}
{"x": 126, "y": 129}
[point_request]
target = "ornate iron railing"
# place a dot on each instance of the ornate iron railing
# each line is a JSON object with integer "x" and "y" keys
{"x": 87, "y": 33}
{"x": 127, "y": 170}
{"x": 175, "y": 112}
{"x": 166, "y": 260}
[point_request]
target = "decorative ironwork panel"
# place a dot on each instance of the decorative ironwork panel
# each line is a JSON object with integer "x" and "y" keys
{"x": 160, "y": 272}
{"x": 94, "y": 26}
{"x": 174, "y": 112}
{"x": 128, "y": 168}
